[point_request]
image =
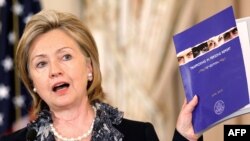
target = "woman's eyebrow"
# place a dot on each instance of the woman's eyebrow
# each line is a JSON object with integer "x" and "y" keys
{"x": 38, "y": 56}
{"x": 63, "y": 48}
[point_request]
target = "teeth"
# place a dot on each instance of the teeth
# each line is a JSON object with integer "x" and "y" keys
{"x": 61, "y": 86}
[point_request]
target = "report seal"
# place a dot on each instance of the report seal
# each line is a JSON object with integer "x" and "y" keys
{"x": 219, "y": 107}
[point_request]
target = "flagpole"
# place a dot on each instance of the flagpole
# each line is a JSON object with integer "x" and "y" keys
{"x": 17, "y": 81}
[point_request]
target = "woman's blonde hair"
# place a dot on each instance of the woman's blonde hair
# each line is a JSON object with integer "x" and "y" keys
{"x": 48, "y": 20}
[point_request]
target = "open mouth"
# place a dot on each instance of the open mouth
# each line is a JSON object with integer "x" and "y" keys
{"x": 60, "y": 86}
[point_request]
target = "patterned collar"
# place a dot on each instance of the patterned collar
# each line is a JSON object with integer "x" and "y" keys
{"x": 106, "y": 117}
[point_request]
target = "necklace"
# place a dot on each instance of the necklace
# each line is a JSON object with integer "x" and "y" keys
{"x": 85, "y": 135}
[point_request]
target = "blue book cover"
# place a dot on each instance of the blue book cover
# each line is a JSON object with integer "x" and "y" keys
{"x": 212, "y": 67}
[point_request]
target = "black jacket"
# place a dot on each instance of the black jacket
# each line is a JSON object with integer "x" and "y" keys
{"x": 132, "y": 131}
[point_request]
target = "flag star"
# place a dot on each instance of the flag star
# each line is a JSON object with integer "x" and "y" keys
{"x": 2, "y": 3}
{"x": 19, "y": 101}
{"x": 4, "y": 92}
{"x": 1, "y": 119}
{"x": 7, "y": 64}
{"x": 17, "y": 8}
{"x": 12, "y": 37}
{"x": 27, "y": 18}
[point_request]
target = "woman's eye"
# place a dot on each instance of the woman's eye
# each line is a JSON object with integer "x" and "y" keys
{"x": 67, "y": 57}
{"x": 41, "y": 64}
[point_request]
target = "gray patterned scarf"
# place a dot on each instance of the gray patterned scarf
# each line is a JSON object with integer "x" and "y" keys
{"x": 106, "y": 117}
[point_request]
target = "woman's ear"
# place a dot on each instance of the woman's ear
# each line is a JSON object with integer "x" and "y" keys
{"x": 89, "y": 69}
{"x": 89, "y": 65}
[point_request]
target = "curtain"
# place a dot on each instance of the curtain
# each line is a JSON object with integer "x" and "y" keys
{"x": 138, "y": 60}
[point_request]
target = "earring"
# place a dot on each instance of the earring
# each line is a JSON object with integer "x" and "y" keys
{"x": 90, "y": 76}
{"x": 34, "y": 90}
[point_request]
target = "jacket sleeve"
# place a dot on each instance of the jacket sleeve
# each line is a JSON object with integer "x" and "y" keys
{"x": 19, "y": 135}
{"x": 178, "y": 137}
{"x": 137, "y": 130}
{"x": 150, "y": 132}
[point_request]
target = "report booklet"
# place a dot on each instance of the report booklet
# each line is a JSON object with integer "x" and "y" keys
{"x": 212, "y": 66}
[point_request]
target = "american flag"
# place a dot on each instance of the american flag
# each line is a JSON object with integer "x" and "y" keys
{"x": 14, "y": 99}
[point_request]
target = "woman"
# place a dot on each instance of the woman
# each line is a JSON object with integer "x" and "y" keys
{"x": 58, "y": 62}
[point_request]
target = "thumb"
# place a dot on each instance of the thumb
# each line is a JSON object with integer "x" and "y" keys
{"x": 191, "y": 104}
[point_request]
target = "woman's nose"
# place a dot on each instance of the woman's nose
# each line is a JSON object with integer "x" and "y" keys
{"x": 55, "y": 70}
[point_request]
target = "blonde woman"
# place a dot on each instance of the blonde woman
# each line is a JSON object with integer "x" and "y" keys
{"x": 58, "y": 62}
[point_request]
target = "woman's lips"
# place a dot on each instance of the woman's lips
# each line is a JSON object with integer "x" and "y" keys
{"x": 60, "y": 87}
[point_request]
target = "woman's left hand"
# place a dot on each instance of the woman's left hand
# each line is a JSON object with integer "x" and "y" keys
{"x": 184, "y": 123}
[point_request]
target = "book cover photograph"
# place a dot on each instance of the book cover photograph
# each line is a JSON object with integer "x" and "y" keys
{"x": 212, "y": 67}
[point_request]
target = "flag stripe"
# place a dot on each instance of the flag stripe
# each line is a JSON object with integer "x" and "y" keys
{"x": 14, "y": 98}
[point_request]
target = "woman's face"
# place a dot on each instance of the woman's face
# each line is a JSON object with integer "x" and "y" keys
{"x": 58, "y": 69}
